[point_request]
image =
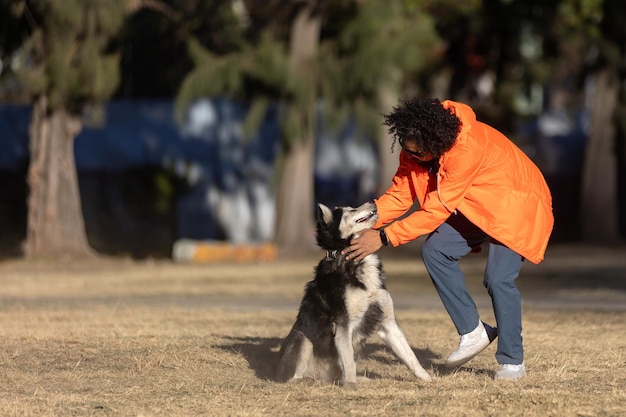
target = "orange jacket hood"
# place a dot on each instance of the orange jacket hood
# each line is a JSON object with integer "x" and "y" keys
{"x": 486, "y": 177}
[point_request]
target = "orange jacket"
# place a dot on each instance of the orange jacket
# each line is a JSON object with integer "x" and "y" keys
{"x": 486, "y": 177}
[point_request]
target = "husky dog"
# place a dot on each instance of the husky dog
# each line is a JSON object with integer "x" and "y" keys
{"x": 344, "y": 304}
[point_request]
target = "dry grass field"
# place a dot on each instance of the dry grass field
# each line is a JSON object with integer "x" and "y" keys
{"x": 122, "y": 338}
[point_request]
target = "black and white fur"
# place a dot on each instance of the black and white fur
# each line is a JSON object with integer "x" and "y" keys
{"x": 344, "y": 304}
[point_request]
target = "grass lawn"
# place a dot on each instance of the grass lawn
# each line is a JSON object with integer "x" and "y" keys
{"x": 122, "y": 338}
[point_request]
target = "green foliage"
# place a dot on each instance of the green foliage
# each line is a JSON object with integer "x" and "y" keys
{"x": 257, "y": 74}
{"x": 466, "y": 7}
{"x": 164, "y": 192}
{"x": 385, "y": 43}
{"x": 376, "y": 47}
{"x": 580, "y": 17}
{"x": 255, "y": 117}
{"x": 271, "y": 63}
{"x": 213, "y": 76}
{"x": 34, "y": 77}
{"x": 66, "y": 56}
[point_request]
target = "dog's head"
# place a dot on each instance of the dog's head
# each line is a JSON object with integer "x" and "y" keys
{"x": 336, "y": 227}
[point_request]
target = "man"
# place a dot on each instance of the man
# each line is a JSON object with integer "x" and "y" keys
{"x": 473, "y": 186}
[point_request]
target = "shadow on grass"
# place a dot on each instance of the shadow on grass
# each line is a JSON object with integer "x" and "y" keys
{"x": 262, "y": 355}
{"x": 260, "y": 352}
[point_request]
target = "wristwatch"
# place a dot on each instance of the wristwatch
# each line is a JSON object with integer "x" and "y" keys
{"x": 383, "y": 237}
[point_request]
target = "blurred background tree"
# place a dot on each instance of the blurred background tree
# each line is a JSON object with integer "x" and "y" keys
{"x": 605, "y": 156}
{"x": 63, "y": 66}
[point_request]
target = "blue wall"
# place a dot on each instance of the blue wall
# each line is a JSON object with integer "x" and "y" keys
{"x": 224, "y": 181}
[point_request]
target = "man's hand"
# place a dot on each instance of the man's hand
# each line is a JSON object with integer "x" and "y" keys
{"x": 366, "y": 243}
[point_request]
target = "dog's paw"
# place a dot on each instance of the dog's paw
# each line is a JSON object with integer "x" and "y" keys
{"x": 427, "y": 379}
{"x": 424, "y": 376}
{"x": 421, "y": 373}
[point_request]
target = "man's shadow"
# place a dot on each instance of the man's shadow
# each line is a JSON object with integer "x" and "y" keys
{"x": 262, "y": 355}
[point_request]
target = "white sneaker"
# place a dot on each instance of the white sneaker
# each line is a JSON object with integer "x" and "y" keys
{"x": 472, "y": 344}
{"x": 510, "y": 372}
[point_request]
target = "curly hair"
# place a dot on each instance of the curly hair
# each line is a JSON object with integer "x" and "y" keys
{"x": 426, "y": 122}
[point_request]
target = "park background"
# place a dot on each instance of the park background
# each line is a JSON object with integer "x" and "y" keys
{"x": 128, "y": 126}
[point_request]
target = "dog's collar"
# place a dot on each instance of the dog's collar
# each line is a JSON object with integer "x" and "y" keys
{"x": 335, "y": 255}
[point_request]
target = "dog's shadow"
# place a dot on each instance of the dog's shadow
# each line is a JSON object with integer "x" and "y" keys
{"x": 262, "y": 354}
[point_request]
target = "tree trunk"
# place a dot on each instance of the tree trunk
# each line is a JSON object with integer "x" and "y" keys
{"x": 388, "y": 161}
{"x": 294, "y": 219}
{"x": 55, "y": 219}
{"x": 599, "y": 182}
{"x": 294, "y": 206}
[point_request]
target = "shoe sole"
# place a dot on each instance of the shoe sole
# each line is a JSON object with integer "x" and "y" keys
{"x": 465, "y": 359}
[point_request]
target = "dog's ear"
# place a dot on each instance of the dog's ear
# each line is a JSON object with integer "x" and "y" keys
{"x": 324, "y": 214}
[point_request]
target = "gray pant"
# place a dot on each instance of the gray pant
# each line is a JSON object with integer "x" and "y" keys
{"x": 441, "y": 253}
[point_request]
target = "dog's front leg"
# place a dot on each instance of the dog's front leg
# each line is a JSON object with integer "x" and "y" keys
{"x": 391, "y": 333}
{"x": 345, "y": 350}
{"x": 395, "y": 339}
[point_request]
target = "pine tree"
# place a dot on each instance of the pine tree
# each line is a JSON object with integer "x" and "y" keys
{"x": 65, "y": 67}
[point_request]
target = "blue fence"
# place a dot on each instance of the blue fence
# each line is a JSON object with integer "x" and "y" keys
{"x": 227, "y": 179}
